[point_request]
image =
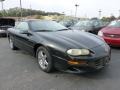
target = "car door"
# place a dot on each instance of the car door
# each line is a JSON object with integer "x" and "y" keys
{"x": 24, "y": 40}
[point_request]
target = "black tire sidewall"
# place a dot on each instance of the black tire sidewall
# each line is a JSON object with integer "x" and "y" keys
{"x": 49, "y": 59}
{"x": 14, "y": 47}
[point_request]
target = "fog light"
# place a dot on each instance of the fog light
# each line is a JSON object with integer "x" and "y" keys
{"x": 73, "y": 62}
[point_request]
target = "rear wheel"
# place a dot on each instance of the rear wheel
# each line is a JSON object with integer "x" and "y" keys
{"x": 44, "y": 59}
{"x": 11, "y": 44}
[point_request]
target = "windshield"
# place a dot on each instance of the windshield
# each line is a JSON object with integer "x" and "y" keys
{"x": 68, "y": 23}
{"x": 46, "y": 26}
{"x": 83, "y": 23}
{"x": 114, "y": 24}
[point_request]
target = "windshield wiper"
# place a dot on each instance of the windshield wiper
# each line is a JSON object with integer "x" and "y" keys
{"x": 62, "y": 29}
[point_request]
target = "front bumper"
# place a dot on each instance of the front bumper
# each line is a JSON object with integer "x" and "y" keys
{"x": 99, "y": 58}
{"x": 97, "y": 63}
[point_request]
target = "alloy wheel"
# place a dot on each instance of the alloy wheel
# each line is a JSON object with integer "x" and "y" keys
{"x": 42, "y": 59}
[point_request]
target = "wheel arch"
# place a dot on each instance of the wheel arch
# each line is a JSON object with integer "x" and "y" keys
{"x": 37, "y": 46}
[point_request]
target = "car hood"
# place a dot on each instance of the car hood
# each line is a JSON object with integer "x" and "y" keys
{"x": 73, "y": 38}
{"x": 111, "y": 30}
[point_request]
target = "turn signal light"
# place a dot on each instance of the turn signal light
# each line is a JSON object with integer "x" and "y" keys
{"x": 73, "y": 62}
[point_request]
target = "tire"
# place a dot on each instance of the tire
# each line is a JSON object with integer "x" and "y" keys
{"x": 11, "y": 44}
{"x": 44, "y": 59}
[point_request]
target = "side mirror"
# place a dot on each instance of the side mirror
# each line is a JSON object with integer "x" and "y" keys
{"x": 24, "y": 32}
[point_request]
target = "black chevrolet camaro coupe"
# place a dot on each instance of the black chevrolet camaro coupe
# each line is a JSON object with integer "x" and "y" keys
{"x": 55, "y": 46}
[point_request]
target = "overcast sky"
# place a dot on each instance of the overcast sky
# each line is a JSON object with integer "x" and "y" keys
{"x": 87, "y": 8}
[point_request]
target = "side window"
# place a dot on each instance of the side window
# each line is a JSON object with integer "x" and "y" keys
{"x": 23, "y": 26}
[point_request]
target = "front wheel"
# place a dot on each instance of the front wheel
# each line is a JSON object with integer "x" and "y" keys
{"x": 44, "y": 59}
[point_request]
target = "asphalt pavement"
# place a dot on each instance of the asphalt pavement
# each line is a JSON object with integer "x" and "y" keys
{"x": 20, "y": 71}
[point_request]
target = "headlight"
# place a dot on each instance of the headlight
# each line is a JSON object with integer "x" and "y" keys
{"x": 100, "y": 33}
{"x": 77, "y": 52}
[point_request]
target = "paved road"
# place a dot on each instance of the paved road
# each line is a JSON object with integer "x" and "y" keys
{"x": 19, "y": 71}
